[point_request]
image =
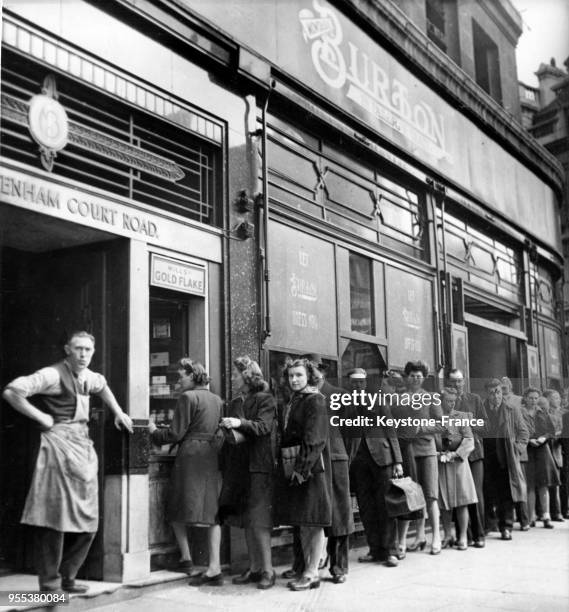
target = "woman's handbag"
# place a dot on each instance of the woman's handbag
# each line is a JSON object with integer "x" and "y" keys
{"x": 289, "y": 455}
{"x": 404, "y": 499}
{"x": 233, "y": 436}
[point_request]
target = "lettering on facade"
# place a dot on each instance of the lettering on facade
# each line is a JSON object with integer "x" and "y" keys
{"x": 305, "y": 290}
{"x": 177, "y": 275}
{"x": 31, "y": 193}
{"x": 366, "y": 83}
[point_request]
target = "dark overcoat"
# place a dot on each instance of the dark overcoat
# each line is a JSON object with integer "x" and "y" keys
{"x": 308, "y": 503}
{"x": 340, "y": 440}
{"x": 513, "y": 430}
{"x": 257, "y": 412}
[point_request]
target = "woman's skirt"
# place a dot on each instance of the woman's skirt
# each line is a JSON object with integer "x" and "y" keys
{"x": 456, "y": 485}
{"x": 541, "y": 468}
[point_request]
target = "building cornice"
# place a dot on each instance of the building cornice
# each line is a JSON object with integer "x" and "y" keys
{"x": 394, "y": 30}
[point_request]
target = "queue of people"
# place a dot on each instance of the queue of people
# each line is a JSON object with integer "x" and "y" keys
{"x": 287, "y": 465}
{"x": 255, "y": 465}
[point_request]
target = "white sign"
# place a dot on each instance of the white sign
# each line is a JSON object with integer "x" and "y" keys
{"x": 177, "y": 275}
{"x": 88, "y": 206}
{"x": 48, "y": 122}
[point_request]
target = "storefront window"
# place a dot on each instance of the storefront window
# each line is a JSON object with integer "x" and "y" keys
{"x": 361, "y": 295}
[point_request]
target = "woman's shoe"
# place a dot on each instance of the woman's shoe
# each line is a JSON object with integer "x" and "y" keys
{"x": 448, "y": 542}
{"x": 267, "y": 580}
{"x": 247, "y": 577}
{"x": 185, "y": 566}
{"x": 435, "y": 551}
{"x": 532, "y": 524}
{"x": 290, "y": 573}
{"x": 417, "y": 546}
{"x": 461, "y": 546}
{"x": 305, "y": 583}
{"x": 323, "y": 562}
{"x": 401, "y": 553}
{"x": 203, "y": 580}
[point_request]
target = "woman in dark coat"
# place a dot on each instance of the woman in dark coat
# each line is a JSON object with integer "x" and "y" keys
{"x": 195, "y": 482}
{"x": 247, "y": 493}
{"x": 423, "y": 405}
{"x": 541, "y": 468}
{"x": 304, "y": 499}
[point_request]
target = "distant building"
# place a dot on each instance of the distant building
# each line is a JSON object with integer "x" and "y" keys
{"x": 545, "y": 114}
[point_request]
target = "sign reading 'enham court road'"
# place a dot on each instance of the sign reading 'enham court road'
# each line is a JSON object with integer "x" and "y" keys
{"x": 99, "y": 212}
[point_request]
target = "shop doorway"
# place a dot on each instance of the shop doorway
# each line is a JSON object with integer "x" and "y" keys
{"x": 492, "y": 354}
{"x": 53, "y": 279}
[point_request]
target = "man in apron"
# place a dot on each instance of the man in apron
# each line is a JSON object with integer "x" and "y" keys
{"x": 62, "y": 502}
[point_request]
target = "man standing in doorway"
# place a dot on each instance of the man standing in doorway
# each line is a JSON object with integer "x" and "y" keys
{"x": 62, "y": 502}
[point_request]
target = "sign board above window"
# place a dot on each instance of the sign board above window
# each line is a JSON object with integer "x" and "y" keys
{"x": 177, "y": 275}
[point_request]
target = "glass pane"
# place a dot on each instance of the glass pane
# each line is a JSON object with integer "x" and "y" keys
{"x": 367, "y": 356}
{"x": 361, "y": 292}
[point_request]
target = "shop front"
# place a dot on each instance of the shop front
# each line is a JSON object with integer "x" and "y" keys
{"x": 111, "y": 199}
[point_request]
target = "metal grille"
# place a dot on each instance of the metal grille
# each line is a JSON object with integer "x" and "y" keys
{"x": 98, "y": 120}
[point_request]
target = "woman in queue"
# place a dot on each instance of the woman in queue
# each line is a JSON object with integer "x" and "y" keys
{"x": 247, "y": 493}
{"x": 423, "y": 451}
{"x": 456, "y": 485}
{"x": 303, "y": 496}
{"x": 541, "y": 469}
{"x": 195, "y": 482}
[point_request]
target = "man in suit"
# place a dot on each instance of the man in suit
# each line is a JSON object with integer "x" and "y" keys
{"x": 506, "y": 437}
{"x": 472, "y": 403}
{"x": 377, "y": 460}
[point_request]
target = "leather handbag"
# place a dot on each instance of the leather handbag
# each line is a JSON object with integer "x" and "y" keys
{"x": 289, "y": 455}
{"x": 233, "y": 436}
{"x": 404, "y": 498}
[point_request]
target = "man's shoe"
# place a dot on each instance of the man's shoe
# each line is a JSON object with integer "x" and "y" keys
{"x": 506, "y": 534}
{"x": 339, "y": 578}
{"x": 480, "y": 543}
{"x": 547, "y": 524}
{"x": 558, "y": 519}
{"x": 203, "y": 580}
{"x": 369, "y": 558}
{"x": 247, "y": 577}
{"x": 267, "y": 580}
{"x": 391, "y": 561}
{"x": 70, "y": 586}
{"x": 524, "y": 528}
{"x": 290, "y": 573}
{"x": 305, "y": 583}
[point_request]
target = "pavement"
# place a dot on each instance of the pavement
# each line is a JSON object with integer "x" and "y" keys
{"x": 529, "y": 573}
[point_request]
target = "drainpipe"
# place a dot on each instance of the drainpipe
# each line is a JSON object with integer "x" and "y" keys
{"x": 264, "y": 249}
{"x": 439, "y": 324}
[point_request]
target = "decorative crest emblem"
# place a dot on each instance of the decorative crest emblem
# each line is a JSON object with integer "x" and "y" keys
{"x": 48, "y": 122}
